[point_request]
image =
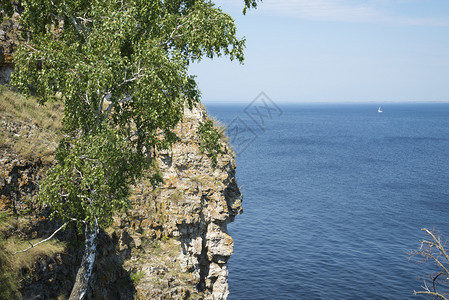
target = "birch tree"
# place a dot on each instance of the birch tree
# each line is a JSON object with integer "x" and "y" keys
{"x": 121, "y": 70}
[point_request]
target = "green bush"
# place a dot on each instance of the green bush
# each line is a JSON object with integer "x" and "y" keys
{"x": 210, "y": 141}
{"x": 135, "y": 277}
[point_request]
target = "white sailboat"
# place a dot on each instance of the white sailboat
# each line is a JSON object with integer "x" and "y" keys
{"x": 379, "y": 110}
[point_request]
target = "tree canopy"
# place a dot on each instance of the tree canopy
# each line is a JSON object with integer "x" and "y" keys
{"x": 121, "y": 69}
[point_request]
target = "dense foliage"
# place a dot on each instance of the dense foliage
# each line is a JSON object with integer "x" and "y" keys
{"x": 210, "y": 141}
{"x": 92, "y": 176}
{"x": 120, "y": 68}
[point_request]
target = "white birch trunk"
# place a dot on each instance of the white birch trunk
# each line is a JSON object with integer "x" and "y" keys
{"x": 87, "y": 264}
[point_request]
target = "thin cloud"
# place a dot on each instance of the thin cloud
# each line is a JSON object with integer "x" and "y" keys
{"x": 351, "y": 11}
{"x": 321, "y": 10}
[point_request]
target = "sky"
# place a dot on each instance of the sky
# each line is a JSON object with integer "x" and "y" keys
{"x": 375, "y": 51}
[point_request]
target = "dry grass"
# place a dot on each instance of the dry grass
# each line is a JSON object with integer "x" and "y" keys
{"x": 221, "y": 129}
{"x": 6, "y": 222}
{"x": 28, "y": 259}
{"x": 9, "y": 279}
{"x": 177, "y": 196}
{"x": 12, "y": 265}
{"x": 31, "y": 129}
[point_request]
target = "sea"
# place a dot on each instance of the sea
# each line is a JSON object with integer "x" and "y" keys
{"x": 335, "y": 197}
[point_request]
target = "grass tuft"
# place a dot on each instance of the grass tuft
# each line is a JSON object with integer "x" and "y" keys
{"x": 221, "y": 129}
{"x": 31, "y": 129}
{"x": 135, "y": 277}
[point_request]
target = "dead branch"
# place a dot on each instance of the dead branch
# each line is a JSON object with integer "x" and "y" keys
{"x": 434, "y": 249}
{"x": 43, "y": 241}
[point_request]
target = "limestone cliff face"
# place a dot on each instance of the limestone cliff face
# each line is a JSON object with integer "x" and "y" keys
{"x": 171, "y": 244}
{"x": 190, "y": 211}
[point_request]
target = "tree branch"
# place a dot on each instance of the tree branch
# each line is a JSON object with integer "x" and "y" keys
{"x": 43, "y": 241}
{"x": 438, "y": 257}
{"x": 430, "y": 293}
{"x": 439, "y": 245}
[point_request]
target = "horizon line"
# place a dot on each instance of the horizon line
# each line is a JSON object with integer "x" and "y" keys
{"x": 377, "y": 103}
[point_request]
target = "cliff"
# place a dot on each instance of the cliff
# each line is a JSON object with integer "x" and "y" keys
{"x": 171, "y": 244}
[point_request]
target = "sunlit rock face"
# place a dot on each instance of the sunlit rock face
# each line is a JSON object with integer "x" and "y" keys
{"x": 190, "y": 210}
{"x": 171, "y": 244}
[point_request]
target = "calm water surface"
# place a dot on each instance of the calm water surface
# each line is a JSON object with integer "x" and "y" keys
{"x": 334, "y": 197}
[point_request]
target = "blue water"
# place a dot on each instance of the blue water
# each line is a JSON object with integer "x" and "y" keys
{"x": 334, "y": 198}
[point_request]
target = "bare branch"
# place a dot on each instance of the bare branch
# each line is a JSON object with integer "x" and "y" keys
{"x": 434, "y": 249}
{"x": 439, "y": 245}
{"x": 26, "y": 44}
{"x": 84, "y": 20}
{"x": 172, "y": 34}
{"x": 43, "y": 241}
{"x": 430, "y": 293}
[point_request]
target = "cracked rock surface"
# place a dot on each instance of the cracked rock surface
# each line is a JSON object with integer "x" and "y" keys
{"x": 171, "y": 244}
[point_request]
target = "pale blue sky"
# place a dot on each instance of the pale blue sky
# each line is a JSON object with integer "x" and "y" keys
{"x": 335, "y": 51}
